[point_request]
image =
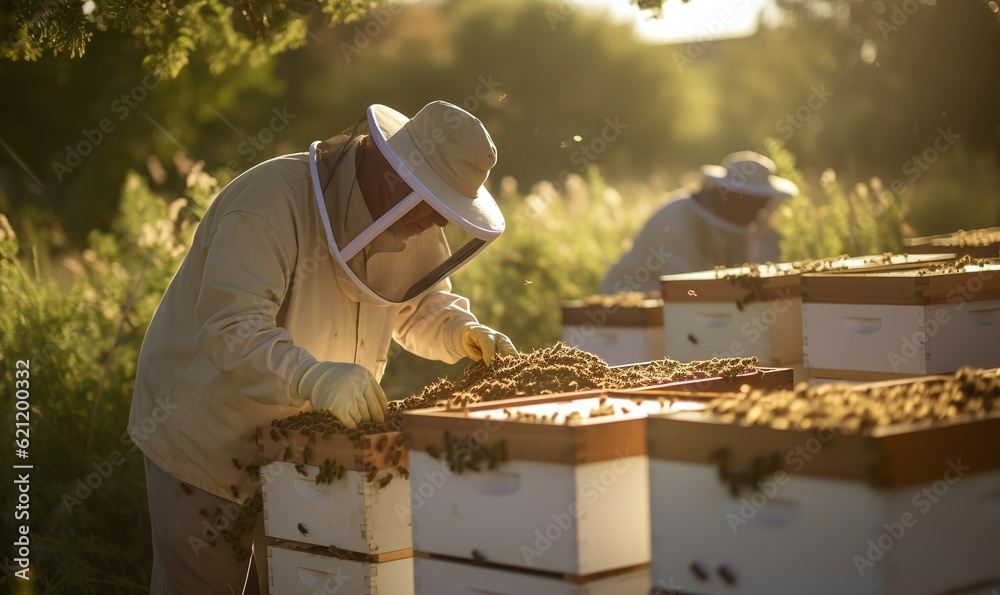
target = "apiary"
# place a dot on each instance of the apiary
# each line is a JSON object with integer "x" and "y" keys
{"x": 926, "y": 320}
{"x": 555, "y": 484}
{"x": 885, "y": 489}
{"x": 622, "y": 328}
{"x": 435, "y": 576}
{"x": 750, "y": 311}
{"x": 298, "y": 569}
{"x": 327, "y": 486}
{"x": 978, "y": 243}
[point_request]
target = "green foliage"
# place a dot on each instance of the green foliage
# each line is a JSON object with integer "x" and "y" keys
{"x": 81, "y": 335}
{"x": 867, "y": 220}
{"x": 227, "y": 33}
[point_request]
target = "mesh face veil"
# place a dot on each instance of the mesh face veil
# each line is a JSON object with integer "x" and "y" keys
{"x": 418, "y": 242}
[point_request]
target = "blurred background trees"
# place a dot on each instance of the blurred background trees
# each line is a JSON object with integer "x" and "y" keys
{"x": 885, "y": 112}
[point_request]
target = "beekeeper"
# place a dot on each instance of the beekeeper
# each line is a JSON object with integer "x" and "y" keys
{"x": 724, "y": 223}
{"x": 302, "y": 271}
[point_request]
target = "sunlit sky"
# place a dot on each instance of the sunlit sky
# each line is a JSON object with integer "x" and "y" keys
{"x": 684, "y": 22}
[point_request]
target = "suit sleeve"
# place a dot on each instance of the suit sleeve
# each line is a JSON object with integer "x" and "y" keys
{"x": 247, "y": 272}
{"x": 431, "y": 326}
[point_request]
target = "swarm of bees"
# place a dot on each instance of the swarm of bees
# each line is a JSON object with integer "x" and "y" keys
{"x": 760, "y": 468}
{"x": 959, "y": 266}
{"x": 550, "y": 370}
{"x": 624, "y": 299}
{"x": 969, "y": 394}
{"x": 465, "y": 453}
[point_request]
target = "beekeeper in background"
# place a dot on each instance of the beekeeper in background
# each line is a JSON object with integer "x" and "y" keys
{"x": 724, "y": 223}
{"x": 302, "y": 271}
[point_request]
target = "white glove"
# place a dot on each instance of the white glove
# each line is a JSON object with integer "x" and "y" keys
{"x": 482, "y": 343}
{"x": 349, "y": 391}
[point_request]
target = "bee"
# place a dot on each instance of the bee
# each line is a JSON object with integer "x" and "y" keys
{"x": 372, "y": 472}
{"x": 303, "y": 529}
{"x": 312, "y": 437}
{"x": 274, "y": 434}
{"x": 284, "y": 432}
{"x": 727, "y": 575}
{"x": 698, "y": 571}
{"x": 380, "y": 445}
{"x": 478, "y": 556}
{"x": 203, "y": 513}
{"x": 739, "y": 305}
{"x": 340, "y": 472}
{"x": 403, "y": 472}
{"x": 301, "y": 470}
{"x": 692, "y": 339}
{"x": 526, "y": 282}
{"x": 433, "y": 451}
{"x": 187, "y": 489}
{"x": 234, "y": 490}
{"x": 385, "y": 480}
{"x": 287, "y": 454}
{"x": 305, "y": 454}
{"x": 396, "y": 457}
{"x": 236, "y": 463}
{"x": 692, "y": 293}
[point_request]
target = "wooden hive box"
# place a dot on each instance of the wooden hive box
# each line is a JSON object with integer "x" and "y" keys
{"x": 570, "y": 500}
{"x": 298, "y": 569}
{"x": 754, "y": 310}
{"x": 897, "y": 509}
{"x": 365, "y": 509}
{"x": 437, "y": 576}
{"x": 879, "y": 325}
{"x": 617, "y": 333}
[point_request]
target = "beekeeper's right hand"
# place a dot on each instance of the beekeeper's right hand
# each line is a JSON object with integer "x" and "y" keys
{"x": 349, "y": 391}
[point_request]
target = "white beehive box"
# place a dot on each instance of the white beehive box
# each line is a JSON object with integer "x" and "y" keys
{"x": 618, "y": 334}
{"x": 350, "y": 513}
{"x": 896, "y": 511}
{"x": 755, "y": 310}
{"x": 451, "y": 577}
{"x": 569, "y": 499}
{"x": 298, "y": 570}
{"x": 871, "y": 326}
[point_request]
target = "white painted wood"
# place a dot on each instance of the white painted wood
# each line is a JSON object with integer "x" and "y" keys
{"x": 902, "y": 339}
{"x": 575, "y": 520}
{"x": 350, "y": 513}
{"x": 770, "y": 330}
{"x": 617, "y": 345}
{"x": 802, "y": 536}
{"x": 446, "y": 577}
{"x": 294, "y": 572}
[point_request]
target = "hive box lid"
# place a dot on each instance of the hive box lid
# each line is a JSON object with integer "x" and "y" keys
{"x": 911, "y": 286}
{"x": 980, "y": 243}
{"x": 762, "y": 282}
{"x": 649, "y": 313}
{"x": 884, "y": 457}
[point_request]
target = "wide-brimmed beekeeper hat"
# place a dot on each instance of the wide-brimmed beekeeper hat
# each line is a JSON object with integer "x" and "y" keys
{"x": 749, "y": 173}
{"x": 444, "y": 154}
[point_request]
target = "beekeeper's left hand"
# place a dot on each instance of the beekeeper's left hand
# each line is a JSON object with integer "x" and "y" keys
{"x": 482, "y": 343}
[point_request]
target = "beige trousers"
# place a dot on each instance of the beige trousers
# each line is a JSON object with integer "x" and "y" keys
{"x": 184, "y": 560}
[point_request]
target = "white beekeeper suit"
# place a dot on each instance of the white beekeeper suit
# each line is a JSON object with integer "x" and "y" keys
{"x": 278, "y": 282}
{"x": 691, "y": 234}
